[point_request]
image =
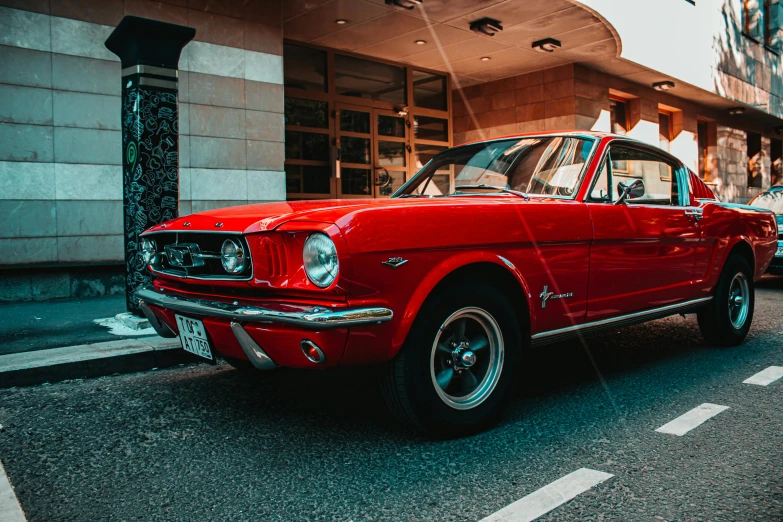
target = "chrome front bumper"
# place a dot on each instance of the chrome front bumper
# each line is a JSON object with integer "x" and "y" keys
{"x": 314, "y": 318}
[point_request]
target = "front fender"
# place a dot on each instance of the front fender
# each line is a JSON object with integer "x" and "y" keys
{"x": 406, "y": 294}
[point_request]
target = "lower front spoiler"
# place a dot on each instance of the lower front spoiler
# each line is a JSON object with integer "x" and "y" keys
{"x": 314, "y": 319}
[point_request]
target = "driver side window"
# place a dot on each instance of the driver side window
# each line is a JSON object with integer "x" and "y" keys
{"x": 628, "y": 164}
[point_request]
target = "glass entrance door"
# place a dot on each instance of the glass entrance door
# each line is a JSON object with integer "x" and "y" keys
{"x": 373, "y": 151}
{"x": 391, "y": 149}
{"x": 354, "y": 140}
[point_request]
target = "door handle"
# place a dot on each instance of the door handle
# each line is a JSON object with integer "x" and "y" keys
{"x": 695, "y": 213}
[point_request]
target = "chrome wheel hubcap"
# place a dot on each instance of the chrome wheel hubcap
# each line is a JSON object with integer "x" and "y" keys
{"x": 467, "y": 358}
{"x": 739, "y": 292}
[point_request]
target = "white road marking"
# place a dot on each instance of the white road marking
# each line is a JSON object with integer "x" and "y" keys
{"x": 766, "y": 377}
{"x": 549, "y": 497}
{"x": 696, "y": 417}
{"x": 10, "y": 510}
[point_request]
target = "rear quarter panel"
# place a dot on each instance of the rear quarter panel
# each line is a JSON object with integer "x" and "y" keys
{"x": 724, "y": 225}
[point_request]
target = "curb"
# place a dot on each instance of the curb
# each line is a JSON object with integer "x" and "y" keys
{"x": 91, "y": 360}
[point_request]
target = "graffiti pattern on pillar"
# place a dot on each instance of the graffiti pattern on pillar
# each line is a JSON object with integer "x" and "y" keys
{"x": 150, "y": 144}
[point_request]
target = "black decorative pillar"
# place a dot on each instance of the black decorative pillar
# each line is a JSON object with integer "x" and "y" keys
{"x": 149, "y": 51}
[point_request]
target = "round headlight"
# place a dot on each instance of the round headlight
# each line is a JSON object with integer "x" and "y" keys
{"x": 147, "y": 250}
{"x": 233, "y": 256}
{"x": 320, "y": 260}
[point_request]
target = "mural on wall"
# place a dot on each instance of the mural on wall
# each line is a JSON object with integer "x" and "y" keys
{"x": 151, "y": 178}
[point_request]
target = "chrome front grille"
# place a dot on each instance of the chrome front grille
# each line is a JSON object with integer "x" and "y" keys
{"x": 196, "y": 255}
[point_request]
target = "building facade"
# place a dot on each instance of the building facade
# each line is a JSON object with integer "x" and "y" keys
{"x": 348, "y": 98}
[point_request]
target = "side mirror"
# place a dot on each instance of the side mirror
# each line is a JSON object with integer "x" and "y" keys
{"x": 632, "y": 190}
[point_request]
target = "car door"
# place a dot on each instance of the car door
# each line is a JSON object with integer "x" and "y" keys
{"x": 644, "y": 249}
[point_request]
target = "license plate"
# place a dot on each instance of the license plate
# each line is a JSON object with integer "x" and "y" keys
{"x": 193, "y": 336}
{"x": 779, "y": 253}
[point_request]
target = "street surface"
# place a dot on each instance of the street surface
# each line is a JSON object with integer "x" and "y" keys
{"x": 202, "y": 442}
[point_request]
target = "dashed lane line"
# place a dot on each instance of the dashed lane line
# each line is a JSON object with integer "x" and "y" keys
{"x": 766, "y": 377}
{"x": 10, "y": 510}
{"x": 549, "y": 497}
{"x": 692, "y": 419}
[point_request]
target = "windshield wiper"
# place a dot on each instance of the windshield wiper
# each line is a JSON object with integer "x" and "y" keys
{"x": 493, "y": 187}
{"x": 412, "y": 195}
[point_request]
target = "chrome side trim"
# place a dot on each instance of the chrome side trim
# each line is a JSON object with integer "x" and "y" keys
{"x": 160, "y": 327}
{"x": 315, "y": 318}
{"x": 553, "y": 336}
{"x": 255, "y": 353}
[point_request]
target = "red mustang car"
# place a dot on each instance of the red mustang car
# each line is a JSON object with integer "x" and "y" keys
{"x": 490, "y": 250}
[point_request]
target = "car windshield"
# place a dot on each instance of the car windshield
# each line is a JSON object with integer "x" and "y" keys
{"x": 772, "y": 200}
{"x": 551, "y": 165}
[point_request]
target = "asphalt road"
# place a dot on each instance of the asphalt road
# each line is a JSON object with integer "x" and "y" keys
{"x": 204, "y": 443}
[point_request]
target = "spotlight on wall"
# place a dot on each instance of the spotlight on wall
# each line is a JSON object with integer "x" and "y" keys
{"x": 736, "y": 111}
{"x": 487, "y": 26}
{"x": 663, "y": 86}
{"x": 547, "y": 45}
{"x": 405, "y": 4}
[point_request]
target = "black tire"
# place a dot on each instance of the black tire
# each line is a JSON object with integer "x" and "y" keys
{"x": 243, "y": 367}
{"x": 409, "y": 381}
{"x": 718, "y": 321}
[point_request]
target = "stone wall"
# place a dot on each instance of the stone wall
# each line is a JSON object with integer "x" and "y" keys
{"x": 541, "y": 100}
{"x": 60, "y": 152}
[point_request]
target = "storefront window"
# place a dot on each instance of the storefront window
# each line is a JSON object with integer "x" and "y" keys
{"x": 354, "y": 128}
{"x": 429, "y": 90}
{"x": 361, "y": 78}
{"x": 304, "y": 68}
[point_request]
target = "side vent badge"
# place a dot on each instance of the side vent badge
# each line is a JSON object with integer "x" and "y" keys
{"x": 395, "y": 262}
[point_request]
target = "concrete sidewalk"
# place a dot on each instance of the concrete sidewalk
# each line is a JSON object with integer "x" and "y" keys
{"x": 56, "y": 340}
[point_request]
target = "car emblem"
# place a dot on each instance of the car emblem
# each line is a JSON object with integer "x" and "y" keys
{"x": 395, "y": 262}
{"x": 219, "y": 225}
{"x": 547, "y": 295}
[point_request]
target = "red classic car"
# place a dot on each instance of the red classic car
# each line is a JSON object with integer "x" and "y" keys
{"x": 491, "y": 249}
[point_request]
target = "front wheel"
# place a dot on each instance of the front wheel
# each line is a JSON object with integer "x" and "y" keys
{"x": 726, "y": 320}
{"x": 461, "y": 356}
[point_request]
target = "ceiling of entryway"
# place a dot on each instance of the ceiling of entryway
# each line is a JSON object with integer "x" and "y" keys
{"x": 374, "y": 29}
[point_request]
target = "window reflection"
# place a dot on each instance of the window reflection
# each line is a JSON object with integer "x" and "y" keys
{"x": 391, "y": 153}
{"x": 306, "y": 113}
{"x": 355, "y": 150}
{"x": 429, "y": 90}
{"x": 356, "y": 181}
{"x": 304, "y": 68}
{"x": 355, "y": 121}
{"x": 427, "y": 128}
{"x": 367, "y": 79}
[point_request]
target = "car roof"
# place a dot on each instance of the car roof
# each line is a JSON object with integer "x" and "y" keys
{"x": 569, "y": 133}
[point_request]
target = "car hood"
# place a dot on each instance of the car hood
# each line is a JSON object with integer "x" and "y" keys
{"x": 248, "y": 219}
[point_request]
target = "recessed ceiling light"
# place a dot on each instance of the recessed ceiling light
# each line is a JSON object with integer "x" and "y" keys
{"x": 736, "y": 111}
{"x": 421, "y": 42}
{"x": 485, "y": 58}
{"x": 341, "y": 21}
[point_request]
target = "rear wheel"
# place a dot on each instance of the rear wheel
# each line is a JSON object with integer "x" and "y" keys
{"x": 726, "y": 320}
{"x": 461, "y": 356}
